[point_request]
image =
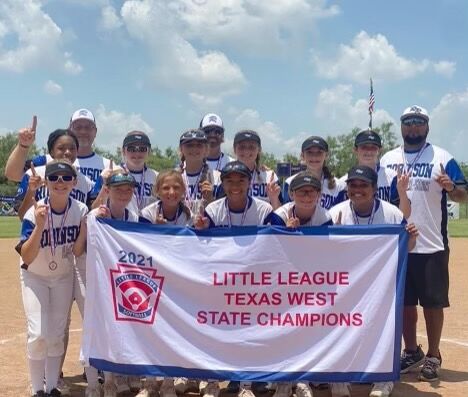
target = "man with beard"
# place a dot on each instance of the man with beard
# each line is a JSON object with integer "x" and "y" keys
{"x": 434, "y": 175}
{"x": 213, "y": 127}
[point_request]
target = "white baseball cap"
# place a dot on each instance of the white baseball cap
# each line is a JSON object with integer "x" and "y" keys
{"x": 211, "y": 120}
{"x": 83, "y": 114}
{"x": 415, "y": 111}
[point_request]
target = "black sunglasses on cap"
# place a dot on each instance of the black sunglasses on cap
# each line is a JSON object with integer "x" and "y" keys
{"x": 413, "y": 121}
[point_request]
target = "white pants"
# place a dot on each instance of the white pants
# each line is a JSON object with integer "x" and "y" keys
{"x": 47, "y": 304}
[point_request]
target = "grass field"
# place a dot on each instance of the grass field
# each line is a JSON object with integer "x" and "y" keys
{"x": 10, "y": 227}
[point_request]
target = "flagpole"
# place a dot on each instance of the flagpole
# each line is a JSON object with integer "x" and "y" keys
{"x": 371, "y": 103}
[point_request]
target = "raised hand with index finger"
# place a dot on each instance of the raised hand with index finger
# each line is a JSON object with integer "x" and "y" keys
{"x": 444, "y": 180}
{"x": 27, "y": 136}
{"x": 35, "y": 181}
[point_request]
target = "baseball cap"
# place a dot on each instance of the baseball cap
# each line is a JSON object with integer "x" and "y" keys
{"x": 235, "y": 167}
{"x": 121, "y": 178}
{"x": 368, "y": 137}
{"x": 60, "y": 167}
{"x": 363, "y": 173}
{"x": 83, "y": 114}
{"x": 193, "y": 135}
{"x": 247, "y": 135}
{"x": 211, "y": 120}
{"x": 415, "y": 111}
{"x": 136, "y": 138}
{"x": 303, "y": 179}
{"x": 315, "y": 141}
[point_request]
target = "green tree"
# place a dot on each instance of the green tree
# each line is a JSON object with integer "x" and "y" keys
{"x": 269, "y": 160}
{"x": 163, "y": 160}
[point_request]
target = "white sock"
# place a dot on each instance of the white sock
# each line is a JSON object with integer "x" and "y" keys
{"x": 36, "y": 372}
{"x": 92, "y": 377}
{"x": 52, "y": 371}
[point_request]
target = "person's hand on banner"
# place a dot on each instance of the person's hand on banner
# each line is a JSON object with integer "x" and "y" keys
{"x": 103, "y": 212}
{"x": 201, "y": 221}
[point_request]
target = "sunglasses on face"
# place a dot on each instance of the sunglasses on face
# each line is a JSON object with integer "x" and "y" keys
{"x": 137, "y": 149}
{"x": 216, "y": 131}
{"x": 413, "y": 121}
{"x": 63, "y": 178}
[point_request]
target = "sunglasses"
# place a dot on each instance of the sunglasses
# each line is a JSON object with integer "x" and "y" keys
{"x": 216, "y": 131}
{"x": 305, "y": 193}
{"x": 137, "y": 149}
{"x": 63, "y": 178}
{"x": 413, "y": 121}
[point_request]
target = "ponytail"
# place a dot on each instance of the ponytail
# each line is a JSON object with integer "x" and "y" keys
{"x": 329, "y": 176}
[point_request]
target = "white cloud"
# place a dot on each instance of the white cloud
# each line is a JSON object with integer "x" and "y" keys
{"x": 176, "y": 62}
{"x": 114, "y": 125}
{"x": 273, "y": 138}
{"x": 373, "y": 56}
{"x": 336, "y": 107}
{"x": 449, "y": 124}
{"x": 251, "y": 26}
{"x": 37, "y": 39}
{"x": 445, "y": 68}
{"x": 109, "y": 20}
{"x": 52, "y": 88}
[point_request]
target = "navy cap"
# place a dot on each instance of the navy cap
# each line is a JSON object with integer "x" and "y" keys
{"x": 236, "y": 167}
{"x": 246, "y": 135}
{"x": 363, "y": 173}
{"x": 303, "y": 179}
{"x": 136, "y": 138}
{"x": 368, "y": 137}
{"x": 193, "y": 135}
{"x": 315, "y": 141}
{"x": 121, "y": 178}
{"x": 60, "y": 167}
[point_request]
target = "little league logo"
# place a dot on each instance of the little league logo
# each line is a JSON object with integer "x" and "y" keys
{"x": 136, "y": 291}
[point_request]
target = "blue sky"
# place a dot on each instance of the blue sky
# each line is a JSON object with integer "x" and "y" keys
{"x": 286, "y": 68}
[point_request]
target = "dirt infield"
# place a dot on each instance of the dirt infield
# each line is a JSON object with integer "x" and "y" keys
{"x": 14, "y": 372}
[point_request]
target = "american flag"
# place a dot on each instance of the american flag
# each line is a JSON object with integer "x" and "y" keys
{"x": 371, "y": 98}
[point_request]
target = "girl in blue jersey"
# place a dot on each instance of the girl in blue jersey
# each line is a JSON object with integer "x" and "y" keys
{"x": 49, "y": 230}
{"x": 314, "y": 153}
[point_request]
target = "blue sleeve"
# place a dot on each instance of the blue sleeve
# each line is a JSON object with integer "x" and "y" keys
{"x": 142, "y": 219}
{"x": 39, "y": 160}
{"x": 455, "y": 173}
{"x": 97, "y": 187}
{"x": 267, "y": 219}
{"x": 22, "y": 188}
{"x": 276, "y": 220}
{"x": 26, "y": 229}
{"x": 394, "y": 196}
{"x": 286, "y": 198}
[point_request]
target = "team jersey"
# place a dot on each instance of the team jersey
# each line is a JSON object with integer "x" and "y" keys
{"x": 386, "y": 185}
{"x": 320, "y": 217}
{"x": 259, "y": 182}
{"x": 129, "y": 216}
{"x": 90, "y": 166}
{"x": 428, "y": 198}
{"x": 329, "y": 198}
{"x": 258, "y": 212}
{"x": 193, "y": 195}
{"x": 383, "y": 213}
{"x": 218, "y": 164}
{"x": 55, "y": 257}
{"x": 81, "y": 192}
{"x": 149, "y": 214}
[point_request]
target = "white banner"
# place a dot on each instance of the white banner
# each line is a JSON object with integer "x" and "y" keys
{"x": 254, "y": 303}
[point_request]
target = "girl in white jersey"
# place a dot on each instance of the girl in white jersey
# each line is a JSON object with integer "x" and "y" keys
{"x": 61, "y": 144}
{"x": 119, "y": 188}
{"x": 364, "y": 208}
{"x": 236, "y": 209}
{"x": 264, "y": 184}
{"x": 201, "y": 182}
{"x": 314, "y": 153}
{"x": 49, "y": 230}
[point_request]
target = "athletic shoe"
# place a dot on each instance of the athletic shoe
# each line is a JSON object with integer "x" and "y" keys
{"x": 410, "y": 360}
{"x": 430, "y": 369}
{"x": 211, "y": 389}
{"x": 303, "y": 390}
{"x": 93, "y": 392}
{"x": 381, "y": 389}
{"x": 54, "y": 393}
{"x": 233, "y": 386}
{"x": 245, "y": 392}
{"x": 283, "y": 389}
{"x": 63, "y": 387}
{"x": 110, "y": 390}
{"x": 121, "y": 381}
{"x": 340, "y": 390}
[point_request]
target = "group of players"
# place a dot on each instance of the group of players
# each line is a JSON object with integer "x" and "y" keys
{"x": 408, "y": 185}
